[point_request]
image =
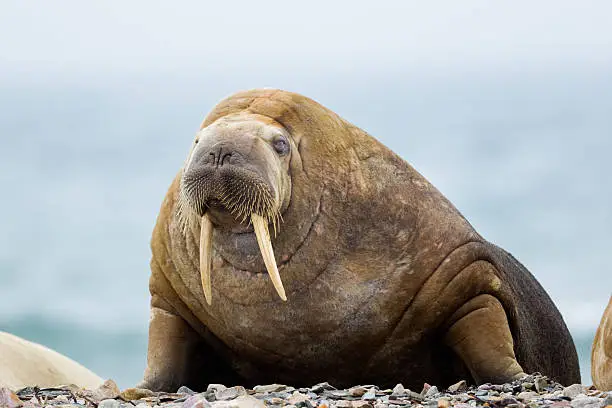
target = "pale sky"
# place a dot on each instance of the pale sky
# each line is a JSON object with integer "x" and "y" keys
{"x": 120, "y": 36}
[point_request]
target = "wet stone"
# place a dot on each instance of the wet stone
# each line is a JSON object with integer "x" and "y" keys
{"x": 586, "y": 402}
{"x": 458, "y": 387}
{"x": 506, "y": 401}
{"x": 398, "y": 390}
{"x": 269, "y": 388}
{"x": 337, "y": 394}
{"x": 243, "y": 401}
{"x": 573, "y": 390}
{"x": 431, "y": 392}
{"x": 527, "y": 395}
{"x": 185, "y": 390}
{"x": 9, "y": 399}
{"x": 369, "y": 395}
{"x": 215, "y": 387}
{"x": 322, "y": 387}
{"x": 109, "y": 403}
{"x": 230, "y": 393}
{"x": 431, "y": 404}
{"x": 540, "y": 384}
{"x": 297, "y": 398}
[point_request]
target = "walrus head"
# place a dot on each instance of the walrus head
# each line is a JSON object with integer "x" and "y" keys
{"x": 236, "y": 179}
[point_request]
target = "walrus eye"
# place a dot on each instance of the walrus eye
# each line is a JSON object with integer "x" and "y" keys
{"x": 281, "y": 145}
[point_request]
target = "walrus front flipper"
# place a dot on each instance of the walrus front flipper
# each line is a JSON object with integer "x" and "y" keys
{"x": 479, "y": 333}
{"x": 178, "y": 355}
{"x": 170, "y": 342}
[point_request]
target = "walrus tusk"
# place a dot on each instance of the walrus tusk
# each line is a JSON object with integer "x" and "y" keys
{"x": 265, "y": 246}
{"x": 206, "y": 229}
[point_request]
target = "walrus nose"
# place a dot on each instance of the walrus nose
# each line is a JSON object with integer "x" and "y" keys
{"x": 215, "y": 153}
{"x": 218, "y": 157}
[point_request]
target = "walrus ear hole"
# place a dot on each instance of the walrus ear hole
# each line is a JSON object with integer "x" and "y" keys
{"x": 281, "y": 145}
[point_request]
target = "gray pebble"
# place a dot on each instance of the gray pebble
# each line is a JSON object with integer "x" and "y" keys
{"x": 573, "y": 390}
{"x": 185, "y": 390}
{"x": 540, "y": 384}
{"x": 586, "y": 402}
{"x": 398, "y": 391}
{"x": 196, "y": 401}
{"x": 506, "y": 401}
{"x": 297, "y": 398}
{"x": 322, "y": 387}
{"x": 243, "y": 401}
{"x": 527, "y": 395}
{"x": 458, "y": 387}
{"x": 109, "y": 403}
{"x": 230, "y": 393}
{"x": 431, "y": 392}
{"x": 369, "y": 395}
{"x": 269, "y": 388}
{"x": 282, "y": 394}
{"x": 361, "y": 404}
{"x": 215, "y": 387}
{"x": 338, "y": 394}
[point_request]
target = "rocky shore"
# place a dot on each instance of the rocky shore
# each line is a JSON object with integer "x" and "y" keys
{"x": 533, "y": 392}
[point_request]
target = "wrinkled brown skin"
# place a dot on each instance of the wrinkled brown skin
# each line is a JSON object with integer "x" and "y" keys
{"x": 386, "y": 281}
{"x": 601, "y": 356}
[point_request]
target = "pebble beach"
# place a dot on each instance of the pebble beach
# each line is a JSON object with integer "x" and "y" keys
{"x": 533, "y": 391}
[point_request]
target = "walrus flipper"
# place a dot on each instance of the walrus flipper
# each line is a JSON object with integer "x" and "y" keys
{"x": 178, "y": 355}
{"x": 171, "y": 342}
{"x": 480, "y": 335}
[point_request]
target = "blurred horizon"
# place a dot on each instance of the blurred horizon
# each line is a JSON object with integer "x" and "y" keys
{"x": 504, "y": 107}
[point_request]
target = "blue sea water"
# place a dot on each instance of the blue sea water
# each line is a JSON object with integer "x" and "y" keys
{"x": 85, "y": 163}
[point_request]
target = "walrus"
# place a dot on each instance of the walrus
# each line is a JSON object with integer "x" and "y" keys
{"x": 24, "y": 363}
{"x": 601, "y": 354}
{"x": 293, "y": 247}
